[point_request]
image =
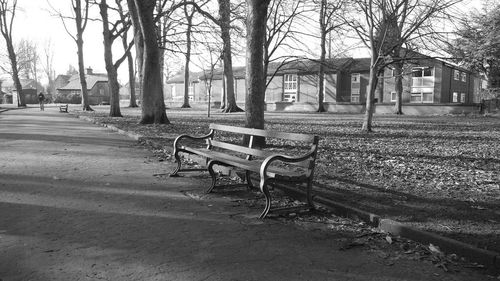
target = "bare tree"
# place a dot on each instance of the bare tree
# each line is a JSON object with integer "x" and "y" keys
{"x": 478, "y": 44}
{"x": 208, "y": 63}
{"x": 255, "y": 79}
{"x": 189, "y": 13}
{"x": 27, "y": 57}
{"x": 153, "y": 106}
{"x": 7, "y": 15}
{"x": 224, "y": 23}
{"x": 80, "y": 20}
{"x": 225, "y": 26}
{"x": 130, "y": 60}
{"x": 138, "y": 43}
{"x": 385, "y": 27}
{"x": 285, "y": 25}
{"x": 48, "y": 67}
{"x": 111, "y": 32}
{"x": 329, "y": 11}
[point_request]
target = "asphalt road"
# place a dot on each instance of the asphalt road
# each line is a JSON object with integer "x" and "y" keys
{"x": 79, "y": 202}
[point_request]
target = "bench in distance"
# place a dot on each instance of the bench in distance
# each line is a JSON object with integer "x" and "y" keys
{"x": 222, "y": 146}
{"x": 63, "y": 108}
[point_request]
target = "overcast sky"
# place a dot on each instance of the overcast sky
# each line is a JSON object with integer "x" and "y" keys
{"x": 35, "y": 22}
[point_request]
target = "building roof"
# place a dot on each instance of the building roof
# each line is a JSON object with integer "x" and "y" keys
{"x": 92, "y": 79}
{"x": 238, "y": 73}
{"x": 302, "y": 66}
{"x": 305, "y": 66}
{"x": 360, "y": 65}
{"x": 179, "y": 78}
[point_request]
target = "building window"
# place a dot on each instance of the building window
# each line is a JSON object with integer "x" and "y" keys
{"x": 172, "y": 90}
{"x": 355, "y": 95}
{"x": 464, "y": 77}
{"x": 290, "y": 83}
{"x": 422, "y": 77}
{"x": 462, "y": 98}
{"x": 456, "y": 75}
{"x": 455, "y": 97}
{"x": 290, "y": 88}
{"x": 191, "y": 92}
{"x": 191, "y": 89}
{"x": 355, "y": 87}
{"x": 427, "y": 97}
{"x": 394, "y": 96}
{"x": 422, "y": 72}
{"x": 422, "y": 97}
{"x": 355, "y": 78}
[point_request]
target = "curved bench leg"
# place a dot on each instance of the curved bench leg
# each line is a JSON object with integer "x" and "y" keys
{"x": 210, "y": 168}
{"x": 178, "y": 168}
{"x": 265, "y": 190}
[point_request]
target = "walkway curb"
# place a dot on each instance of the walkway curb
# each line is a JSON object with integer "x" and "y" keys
{"x": 111, "y": 127}
{"x": 490, "y": 259}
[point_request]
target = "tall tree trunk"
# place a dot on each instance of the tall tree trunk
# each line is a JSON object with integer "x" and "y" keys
{"x": 21, "y": 101}
{"x": 139, "y": 47}
{"x": 130, "y": 60}
{"x": 81, "y": 72}
{"x": 255, "y": 80}
{"x": 322, "y": 59}
{"x": 225, "y": 21}
{"x": 370, "y": 95}
{"x": 81, "y": 65}
{"x": 189, "y": 17}
{"x": 153, "y": 105}
{"x": 223, "y": 97}
{"x": 131, "y": 81}
{"x": 398, "y": 73}
{"x": 114, "y": 88}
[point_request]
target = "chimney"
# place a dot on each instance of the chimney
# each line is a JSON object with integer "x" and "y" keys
{"x": 89, "y": 71}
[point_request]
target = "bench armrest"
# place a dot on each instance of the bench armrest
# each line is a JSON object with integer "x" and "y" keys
{"x": 287, "y": 159}
{"x": 185, "y": 136}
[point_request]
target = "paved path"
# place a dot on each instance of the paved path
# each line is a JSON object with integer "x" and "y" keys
{"x": 79, "y": 202}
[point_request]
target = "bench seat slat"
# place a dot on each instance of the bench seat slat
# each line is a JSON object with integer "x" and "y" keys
{"x": 264, "y": 133}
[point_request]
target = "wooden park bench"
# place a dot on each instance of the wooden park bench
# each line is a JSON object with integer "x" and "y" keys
{"x": 222, "y": 146}
{"x": 63, "y": 108}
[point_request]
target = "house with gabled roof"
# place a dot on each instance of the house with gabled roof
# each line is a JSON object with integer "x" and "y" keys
{"x": 30, "y": 90}
{"x": 97, "y": 87}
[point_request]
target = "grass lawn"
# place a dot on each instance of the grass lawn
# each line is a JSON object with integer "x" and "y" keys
{"x": 437, "y": 173}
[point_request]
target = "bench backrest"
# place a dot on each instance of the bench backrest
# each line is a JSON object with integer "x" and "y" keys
{"x": 252, "y": 151}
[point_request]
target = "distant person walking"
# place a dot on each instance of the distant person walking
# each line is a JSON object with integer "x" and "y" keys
{"x": 41, "y": 100}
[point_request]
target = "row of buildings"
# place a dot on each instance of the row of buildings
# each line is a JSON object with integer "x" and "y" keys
{"x": 67, "y": 89}
{"x": 430, "y": 86}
